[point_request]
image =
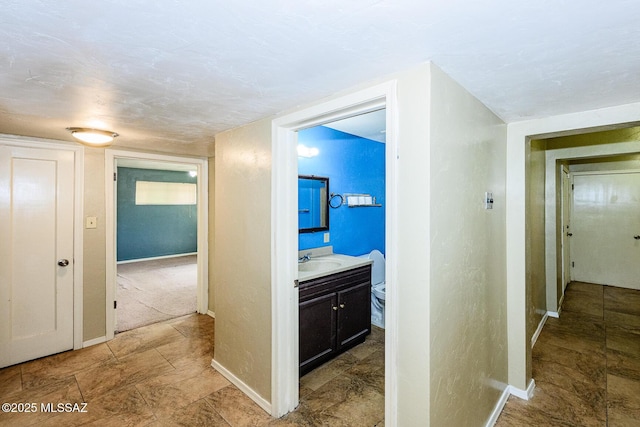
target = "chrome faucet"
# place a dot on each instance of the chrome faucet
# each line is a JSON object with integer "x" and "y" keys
{"x": 305, "y": 258}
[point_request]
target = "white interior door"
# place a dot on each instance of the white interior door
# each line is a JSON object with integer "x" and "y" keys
{"x": 36, "y": 252}
{"x": 606, "y": 218}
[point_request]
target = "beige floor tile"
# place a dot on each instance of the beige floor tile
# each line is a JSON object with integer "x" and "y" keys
{"x": 623, "y": 397}
{"x": 10, "y": 380}
{"x": 199, "y": 413}
{"x": 328, "y": 371}
{"x": 188, "y": 351}
{"x": 622, "y": 300}
{"x": 195, "y": 326}
{"x": 65, "y": 391}
{"x": 43, "y": 371}
{"x": 145, "y": 338}
{"x": 167, "y": 393}
{"x": 122, "y": 373}
{"x": 237, "y": 409}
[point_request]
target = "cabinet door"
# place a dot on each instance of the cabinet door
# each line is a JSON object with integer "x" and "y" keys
{"x": 354, "y": 315}
{"x": 317, "y": 322}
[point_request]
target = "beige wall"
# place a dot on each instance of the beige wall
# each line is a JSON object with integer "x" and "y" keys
{"x": 242, "y": 247}
{"x": 94, "y": 266}
{"x": 413, "y": 249}
{"x": 212, "y": 241}
{"x": 468, "y": 271}
{"x": 535, "y": 226}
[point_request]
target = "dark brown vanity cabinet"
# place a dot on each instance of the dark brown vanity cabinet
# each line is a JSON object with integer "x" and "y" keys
{"x": 335, "y": 315}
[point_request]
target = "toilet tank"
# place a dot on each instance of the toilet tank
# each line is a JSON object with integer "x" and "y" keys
{"x": 377, "y": 269}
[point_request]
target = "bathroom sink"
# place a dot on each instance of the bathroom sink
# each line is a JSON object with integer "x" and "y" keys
{"x": 326, "y": 264}
{"x": 317, "y": 265}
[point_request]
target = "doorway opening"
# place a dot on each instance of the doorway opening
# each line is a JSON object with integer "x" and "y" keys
{"x": 156, "y": 235}
{"x": 157, "y": 238}
{"x": 520, "y": 232}
{"x": 350, "y": 155}
{"x": 285, "y": 297}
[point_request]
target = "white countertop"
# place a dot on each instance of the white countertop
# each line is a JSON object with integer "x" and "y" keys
{"x": 324, "y": 265}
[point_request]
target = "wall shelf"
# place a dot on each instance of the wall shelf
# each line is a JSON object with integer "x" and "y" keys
{"x": 361, "y": 200}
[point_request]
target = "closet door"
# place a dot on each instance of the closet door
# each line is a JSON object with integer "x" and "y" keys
{"x": 36, "y": 252}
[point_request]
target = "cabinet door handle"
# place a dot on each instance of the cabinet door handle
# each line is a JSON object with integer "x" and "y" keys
{"x": 341, "y": 305}
{"x": 334, "y": 308}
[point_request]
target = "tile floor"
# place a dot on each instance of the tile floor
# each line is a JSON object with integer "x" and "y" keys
{"x": 586, "y": 364}
{"x": 161, "y": 375}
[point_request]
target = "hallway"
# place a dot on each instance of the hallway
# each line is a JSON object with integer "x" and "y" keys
{"x": 586, "y": 364}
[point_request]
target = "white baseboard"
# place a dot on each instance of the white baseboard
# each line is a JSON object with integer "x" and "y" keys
{"x": 211, "y": 313}
{"x": 554, "y": 314}
{"x": 536, "y": 334}
{"x": 242, "y": 386}
{"x": 94, "y": 341}
{"x": 523, "y": 394}
{"x": 498, "y": 408}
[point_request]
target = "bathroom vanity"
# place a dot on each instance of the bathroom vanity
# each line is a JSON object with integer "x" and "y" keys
{"x": 335, "y": 307}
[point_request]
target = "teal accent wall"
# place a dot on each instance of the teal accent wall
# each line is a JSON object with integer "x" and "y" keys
{"x": 353, "y": 165}
{"x": 146, "y": 231}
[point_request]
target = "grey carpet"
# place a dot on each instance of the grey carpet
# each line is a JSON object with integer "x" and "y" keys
{"x": 152, "y": 291}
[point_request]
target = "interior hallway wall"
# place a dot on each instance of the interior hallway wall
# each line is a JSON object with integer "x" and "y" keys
{"x": 242, "y": 247}
{"x": 468, "y": 271}
{"x": 94, "y": 269}
{"x": 535, "y": 226}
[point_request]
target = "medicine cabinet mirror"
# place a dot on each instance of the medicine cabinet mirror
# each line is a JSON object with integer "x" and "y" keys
{"x": 313, "y": 206}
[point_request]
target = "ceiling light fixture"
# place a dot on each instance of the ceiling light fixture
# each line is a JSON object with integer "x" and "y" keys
{"x": 304, "y": 151}
{"x": 95, "y": 137}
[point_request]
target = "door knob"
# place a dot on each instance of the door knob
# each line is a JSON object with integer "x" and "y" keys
{"x": 63, "y": 262}
{"x": 569, "y": 234}
{"x": 636, "y": 237}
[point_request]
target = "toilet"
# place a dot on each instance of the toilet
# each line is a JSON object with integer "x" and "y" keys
{"x": 377, "y": 287}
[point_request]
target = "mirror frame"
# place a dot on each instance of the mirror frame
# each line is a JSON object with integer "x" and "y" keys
{"x": 326, "y": 205}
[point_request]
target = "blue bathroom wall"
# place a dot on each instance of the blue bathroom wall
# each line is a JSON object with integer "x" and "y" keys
{"x": 353, "y": 165}
{"x": 146, "y": 231}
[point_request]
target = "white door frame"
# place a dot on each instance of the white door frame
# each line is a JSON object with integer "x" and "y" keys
{"x": 567, "y": 202}
{"x": 201, "y": 164}
{"x": 78, "y": 212}
{"x": 284, "y": 242}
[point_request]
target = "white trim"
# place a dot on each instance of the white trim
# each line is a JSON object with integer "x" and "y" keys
{"x": 536, "y": 334}
{"x": 523, "y": 394}
{"x": 211, "y": 313}
{"x": 78, "y": 222}
{"x": 154, "y": 258}
{"x": 284, "y": 242}
{"x": 554, "y": 314}
{"x": 94, "y": 341}
{"x": 607, "y": 172}
{"x": 262, "y": 402}
{"x": 110, "y": 158}
{"x": 497, "y": 410}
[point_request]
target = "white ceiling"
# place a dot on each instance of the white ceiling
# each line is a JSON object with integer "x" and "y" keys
{"x": 371, "y": 125}
{"x": 170, "y": 74}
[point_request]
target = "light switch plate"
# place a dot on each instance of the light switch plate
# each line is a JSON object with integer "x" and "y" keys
{"x": 488, "y": 200}
{"x": 326, "y": 237}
